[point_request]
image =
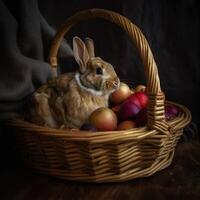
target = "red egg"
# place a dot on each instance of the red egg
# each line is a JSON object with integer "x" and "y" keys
{"x": 128, "y": 110}
{"x": 134, "y": 99}
{"x": 141, "y": 118}
{"x": 126, "y": 125}
{"x": 143, "y": 99}
{"x": 104, "y": 119}
{"x": 120, "y": 94}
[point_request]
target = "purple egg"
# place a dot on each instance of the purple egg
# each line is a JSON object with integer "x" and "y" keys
{"x": 128, "y": 110}
{"x": 171, "y": 111}
{"x": 88, "y": 127}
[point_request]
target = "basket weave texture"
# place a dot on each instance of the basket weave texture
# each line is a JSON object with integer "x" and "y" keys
{"x": 112, "y": 156}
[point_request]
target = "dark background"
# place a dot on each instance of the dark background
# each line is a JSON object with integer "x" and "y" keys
{"x": 171, "y": 28}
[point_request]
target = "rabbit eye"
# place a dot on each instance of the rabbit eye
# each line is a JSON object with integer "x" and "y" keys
{"x": 99, "y": 71}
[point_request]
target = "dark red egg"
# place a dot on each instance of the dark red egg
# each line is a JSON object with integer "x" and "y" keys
{"x": 141, "y": 118}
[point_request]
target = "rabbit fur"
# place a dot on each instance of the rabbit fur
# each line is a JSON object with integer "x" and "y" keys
{"x": 67, "y": 101}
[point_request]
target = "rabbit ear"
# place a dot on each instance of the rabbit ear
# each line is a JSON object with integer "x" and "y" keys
{"x": 90, "y": 46}
{"x": 81, "y": 54}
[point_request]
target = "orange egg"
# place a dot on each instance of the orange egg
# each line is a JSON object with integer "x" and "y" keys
{"x": 120, "y": 94}
{"x": 126, "y": 125}
{"x": 104, "y": 119}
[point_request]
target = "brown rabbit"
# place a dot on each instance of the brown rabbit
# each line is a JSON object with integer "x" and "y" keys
{"x": 67, "y": 101}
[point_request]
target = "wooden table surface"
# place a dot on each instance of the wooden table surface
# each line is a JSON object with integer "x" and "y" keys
{"x": 179, "y": 181}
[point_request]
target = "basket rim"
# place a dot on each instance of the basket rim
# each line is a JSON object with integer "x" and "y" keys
{"x": 138, "y": 133}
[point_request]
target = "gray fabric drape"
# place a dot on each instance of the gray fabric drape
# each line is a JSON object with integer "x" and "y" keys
{"x": 25, "y": 39}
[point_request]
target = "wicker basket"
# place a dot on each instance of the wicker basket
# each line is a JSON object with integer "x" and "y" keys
{"x": 105, "y": 156}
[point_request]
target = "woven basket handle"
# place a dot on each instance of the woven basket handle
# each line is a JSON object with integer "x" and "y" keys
{"x": 156, "y": 115}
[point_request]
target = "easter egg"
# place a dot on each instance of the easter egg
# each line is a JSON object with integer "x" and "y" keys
{"x": 171, "y": 111}
{"x": 126, "y": 125}
{"x": 104, "y": 119}
{"x": 141, "y": 118}
{"x": 143, "y": 99}
{"x": 122, "y": 93}
{"x": 88, "y": 127}
{"x": 134, "y": 100}
{"x": 116, "y": 109}
{"x": 128, "y": 111}
{"x": 140, "y": 88}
